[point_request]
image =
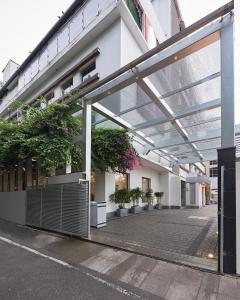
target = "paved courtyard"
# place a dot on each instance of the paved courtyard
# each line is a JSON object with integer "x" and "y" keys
{"x": 181, "y": 235}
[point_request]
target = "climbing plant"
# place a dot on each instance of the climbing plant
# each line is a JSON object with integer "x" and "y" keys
{"x": 47, "y": 135}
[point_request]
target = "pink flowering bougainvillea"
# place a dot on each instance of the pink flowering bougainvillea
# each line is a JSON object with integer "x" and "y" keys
{"x": 112, "y": 149}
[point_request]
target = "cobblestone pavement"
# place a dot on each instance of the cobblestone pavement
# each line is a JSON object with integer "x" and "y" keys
{"x": 182, "y": 235}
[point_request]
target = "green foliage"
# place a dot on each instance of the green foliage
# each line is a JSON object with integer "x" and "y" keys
{"x": 158, "y": 195}
{"x": 112, "y": 149}
{"x": 148, "y": 196}
{"x": 47, "y": 134}
{"x": 135, "y": 195}
{"x": 121, "y": 197}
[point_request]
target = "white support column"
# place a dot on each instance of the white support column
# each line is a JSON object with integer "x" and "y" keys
{"x": 87, "y": 124}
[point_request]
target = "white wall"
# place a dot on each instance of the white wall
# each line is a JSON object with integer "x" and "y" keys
{"x": 238, "y": 214}
{"x": 105, "y": 185}
{"x": 175, "y": 191}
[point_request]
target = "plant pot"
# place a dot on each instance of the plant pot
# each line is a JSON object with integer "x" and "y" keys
{"x": 158, "y": 206}
{"x": 122, "y": 212}
{"x": 148, "y": 207}
{"x": 136, "y": 209}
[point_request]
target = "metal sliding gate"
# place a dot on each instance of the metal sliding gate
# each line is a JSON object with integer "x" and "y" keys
{"x": 62, "y": 208}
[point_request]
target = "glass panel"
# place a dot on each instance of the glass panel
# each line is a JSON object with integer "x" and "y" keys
{"x": 52, "y": 49}
{"x": 43, "y": 59}
{"x": 158, "y": 128}
{"x": 185, "y": 71}
{"x": 121, "y": 181}
{"x": 128, "y": 98}
{"x": 35, "y": 67}
{"x": 21, "y": 81}
{"x": 90, "y": 12}
{"x": 216, "y": 143}
{"x": 209, "y": 155}
{"x": 76, "y": 25}
{"x": 199, "y": 94}
{"x": 146, "y": 184}
{"x": 167, "y": 139}
{"x": 143, "y": 115}
{"x": 204, "y": 127}
{"x": 63, "y": 38}
{"x": 188, "y": 156}
{"x": 28, "y": 75}
{"x": 178, "y": 149}
{"x": 201, "y": 116}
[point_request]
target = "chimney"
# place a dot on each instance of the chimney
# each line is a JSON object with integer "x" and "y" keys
{"x": 9, "y": 70}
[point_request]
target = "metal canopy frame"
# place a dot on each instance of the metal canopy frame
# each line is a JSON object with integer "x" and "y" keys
{"x": 188, "y": 134}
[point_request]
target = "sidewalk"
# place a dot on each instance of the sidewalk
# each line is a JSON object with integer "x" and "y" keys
{"x": 159, "y": 278}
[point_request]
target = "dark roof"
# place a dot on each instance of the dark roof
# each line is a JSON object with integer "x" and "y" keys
{"x": 70, "y": 11}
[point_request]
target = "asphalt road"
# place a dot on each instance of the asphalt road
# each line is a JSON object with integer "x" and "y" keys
{"x": 26, "y": 274}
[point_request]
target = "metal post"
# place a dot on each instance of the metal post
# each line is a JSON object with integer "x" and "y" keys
{"x": 227, "y": 155}
{"x": 87, "y": 123}
{"x": 221, "y": 211}
{"x": 227, "y": 85}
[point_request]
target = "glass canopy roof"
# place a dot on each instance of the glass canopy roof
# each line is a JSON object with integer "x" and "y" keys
{"x": 172, "y": 101}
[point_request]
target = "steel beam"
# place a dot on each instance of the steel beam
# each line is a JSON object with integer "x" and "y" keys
{"x": 227, "y": 86}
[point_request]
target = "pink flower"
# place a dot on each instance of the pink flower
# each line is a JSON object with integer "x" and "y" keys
{"x": 64, "y": 130}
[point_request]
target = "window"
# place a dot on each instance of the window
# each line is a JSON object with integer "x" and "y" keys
{"x": 213, "y": 162}
{"x": 121, "y": 181}
{"x": 88, "y": 71}
{"x": 146, "y": 184}
{"x": 67, "y": 85}
{"x": 136, "y": 12}
{"x": 49, "y": 96}
{"x": 214, "y": 172}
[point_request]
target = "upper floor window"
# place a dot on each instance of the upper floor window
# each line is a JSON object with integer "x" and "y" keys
{"x": 50, "y": 96}
{"x": 136, "y": 12}
{"x": 213, "y": 162}
{"x": 214, "y": 172}
{"x": 67, "y": 85}
{"x": 88, "y": 71}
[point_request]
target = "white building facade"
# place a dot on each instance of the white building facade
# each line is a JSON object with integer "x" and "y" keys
{"x": 92, "y": 40}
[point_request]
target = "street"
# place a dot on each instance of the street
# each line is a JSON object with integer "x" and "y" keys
{"x": 26, "y": 274}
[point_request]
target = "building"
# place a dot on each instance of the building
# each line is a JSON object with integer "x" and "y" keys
{"x": 92, "y": 40}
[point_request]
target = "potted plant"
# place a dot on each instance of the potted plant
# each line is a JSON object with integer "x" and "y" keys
{"x": 159, "y": 196}
{"x": 121, "y": 197}
{"x": 149, "y": 199}
{"x": 135, "y": 195}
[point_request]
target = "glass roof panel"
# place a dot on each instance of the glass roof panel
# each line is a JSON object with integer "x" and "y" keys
{"x": 215, "y": 143}
{"x": 126, "y": 99}
{"x": 204, "y": 127}
{"x": 157, "y": 128}
{"x": 179, "y": 149}
{"x": 143, "y": 114}
{"x": 166, "y": 139}
{"x": 185, "y": 71}
{"x": 201, "y": 116}
{"x": 209, "y": 155}
{"x": 199, "y": 94}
